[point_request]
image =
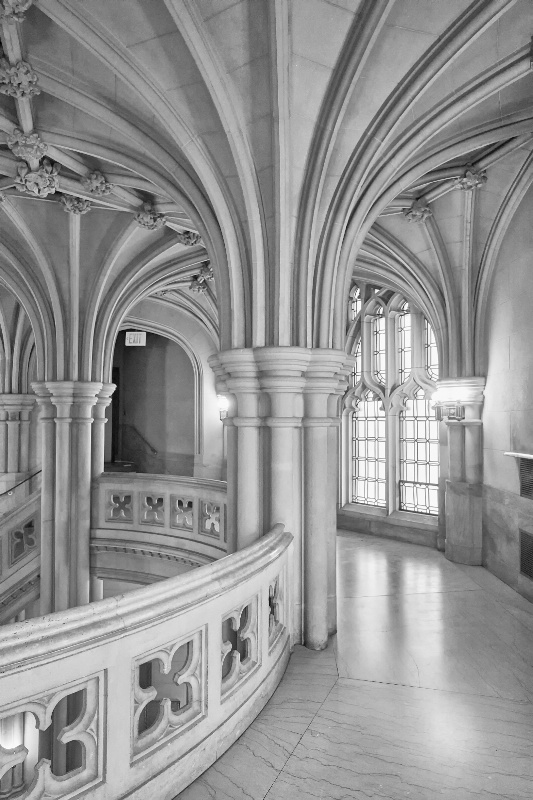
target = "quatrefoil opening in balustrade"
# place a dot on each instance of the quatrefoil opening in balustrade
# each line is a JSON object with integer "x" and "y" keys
{"x": 240, "y": 645}
{"x": 182, "y": 513}
{"x": 169, "y": 692}
{"x": 275, "y": 616}
{"x": 210, "y": 519}
{"x": 119, "y": 507}
{"x": 51, "y": 744}
{"x": 22, "y": 542}
{"x": 153, "y": 510}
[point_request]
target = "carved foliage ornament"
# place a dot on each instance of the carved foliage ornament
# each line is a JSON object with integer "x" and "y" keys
{"x": 96, "y": 184}
{"x": 41, "y": 182}
{"x": 418, "y": 212}
{"x": 472, "y": 179}
{"x": 199, "y": 282}
{"x": 149, "y": 218}
{"x": 188, "y": 238}
{"x": 26, "y": 145}
{"x": 14, "y": 10}
{"x": 75, "y": 205}
{"x": 18, "y": 80}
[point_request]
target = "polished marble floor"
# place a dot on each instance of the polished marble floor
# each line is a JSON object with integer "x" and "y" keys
{"x": 426, "y": 692}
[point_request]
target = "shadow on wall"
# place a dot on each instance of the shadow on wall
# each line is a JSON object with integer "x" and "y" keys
{"x": 154, "y": 407}
{"x": 146, "y": 459}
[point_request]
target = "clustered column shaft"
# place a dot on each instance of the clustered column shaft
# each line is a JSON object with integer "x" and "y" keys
{"x": 282, "y": 465}
{"x": 70, "y": 456}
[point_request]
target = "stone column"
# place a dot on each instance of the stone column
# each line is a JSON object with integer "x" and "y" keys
{"x": 324, "y": 374}
{"x": 74, "y": 402}
{"x": 48, "y": 448}
{"x": 98, "y": 432}
{"x": 14, "y": 437}
{"x": 458, "y": 402}
{"x": 282, "y": 376}
{"x": 236, "y": 371}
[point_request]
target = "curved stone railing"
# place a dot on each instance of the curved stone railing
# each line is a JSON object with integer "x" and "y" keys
{"x": 150, "y": 527}
{"x": 136, "y": 695}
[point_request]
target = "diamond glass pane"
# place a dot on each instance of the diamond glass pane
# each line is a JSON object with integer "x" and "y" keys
{"x": 431, "y": 352}
{"x": 369, "y": 452}
{"x": 404, "y": 345}
{"x": 379, "y": 347}
{"x": 419, "y": 457}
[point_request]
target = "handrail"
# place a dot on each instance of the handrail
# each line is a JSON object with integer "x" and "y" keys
{"x": 141, "y": 437}
{"x": 88, "y": 626}
{"x": 10, "y": 491}
{"x": 182, "y": 628}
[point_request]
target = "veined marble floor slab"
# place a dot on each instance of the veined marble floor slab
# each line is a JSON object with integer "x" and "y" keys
{"x": 425, "y": 693}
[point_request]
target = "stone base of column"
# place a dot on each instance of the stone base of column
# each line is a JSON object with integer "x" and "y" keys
{"x": 463, "y": 523}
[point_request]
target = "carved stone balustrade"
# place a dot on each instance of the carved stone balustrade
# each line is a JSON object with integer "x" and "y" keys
{"x": 20, "y": 557}
{"x": 149, "y": 527}
{"x": 138, "y": 683}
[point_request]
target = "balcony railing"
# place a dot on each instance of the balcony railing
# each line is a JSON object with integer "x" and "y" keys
{"x": 20, "y": 555}
{"x": 136, "y": 695}
{"x": 149, "y": 527}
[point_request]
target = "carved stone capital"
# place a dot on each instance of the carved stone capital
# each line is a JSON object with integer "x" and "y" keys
{"x": 418, "y": 212}
{"x": 188, "y": 238}
{"x": 26, "y": 145}
{"x": 97, "y": 184}
{"x": 18, "y": 80}
{"x": 75, "y": 205}
{"x": 14, "y": 10}
{"x": 149, "y": 218}
{"x": 41, "y": 182}
{"x": 472, "y": 179}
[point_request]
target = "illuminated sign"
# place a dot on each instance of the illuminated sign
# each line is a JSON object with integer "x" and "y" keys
{"x": 135, "y": 338}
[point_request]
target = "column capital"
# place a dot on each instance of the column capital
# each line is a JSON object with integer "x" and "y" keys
{"x": 74, "y": 399}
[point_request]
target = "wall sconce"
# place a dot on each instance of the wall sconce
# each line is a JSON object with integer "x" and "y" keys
{"x": 223, "y": 405}
{"x": 454, "y": 394}
{"x": 453, "y": 412}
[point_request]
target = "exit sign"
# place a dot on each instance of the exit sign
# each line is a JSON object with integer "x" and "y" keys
{"x": 135, "y": 338}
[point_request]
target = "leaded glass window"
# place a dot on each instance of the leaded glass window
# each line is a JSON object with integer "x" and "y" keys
{"x": 431, "y": 352}
{"x": 369, "y": 452}
{"x": 358, "y": 368}
{"x": 404, "y": 344}
{"x": 379, "y": 346}
{"x": 419, "y": 456}
{"x": 394, "y": 459}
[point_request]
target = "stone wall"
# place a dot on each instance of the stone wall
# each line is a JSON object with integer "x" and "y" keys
{"x": 508, "y": 417}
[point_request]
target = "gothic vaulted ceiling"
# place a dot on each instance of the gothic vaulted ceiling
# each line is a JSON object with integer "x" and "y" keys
{"x": 243, "y": 160}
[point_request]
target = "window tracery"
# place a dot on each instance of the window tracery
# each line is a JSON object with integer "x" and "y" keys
{"x": 394, "y": 441}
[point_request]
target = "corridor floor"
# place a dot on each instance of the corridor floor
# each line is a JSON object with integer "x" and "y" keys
{"x": 426, "y": 692}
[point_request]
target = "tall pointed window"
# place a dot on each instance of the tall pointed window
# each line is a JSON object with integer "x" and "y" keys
{"x": 419, "y": 456}
{"x": 394, "y": 459}
{"x": 379, "y": 348}
{"x": 369, "y": 452}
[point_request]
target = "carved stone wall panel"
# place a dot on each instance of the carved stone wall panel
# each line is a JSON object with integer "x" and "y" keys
{"x": 182, "y": 512}
{"x": 152, "y": 509}
{"x": 22, "y": 541}
{"x": 277, "y": 610}
{"x": 119, "y": 506}
{"x": 162, "y": 709}
{"x": 240, "y": 652}
{"x": 210, "y": 519}
{"x": 87, "y": 729}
